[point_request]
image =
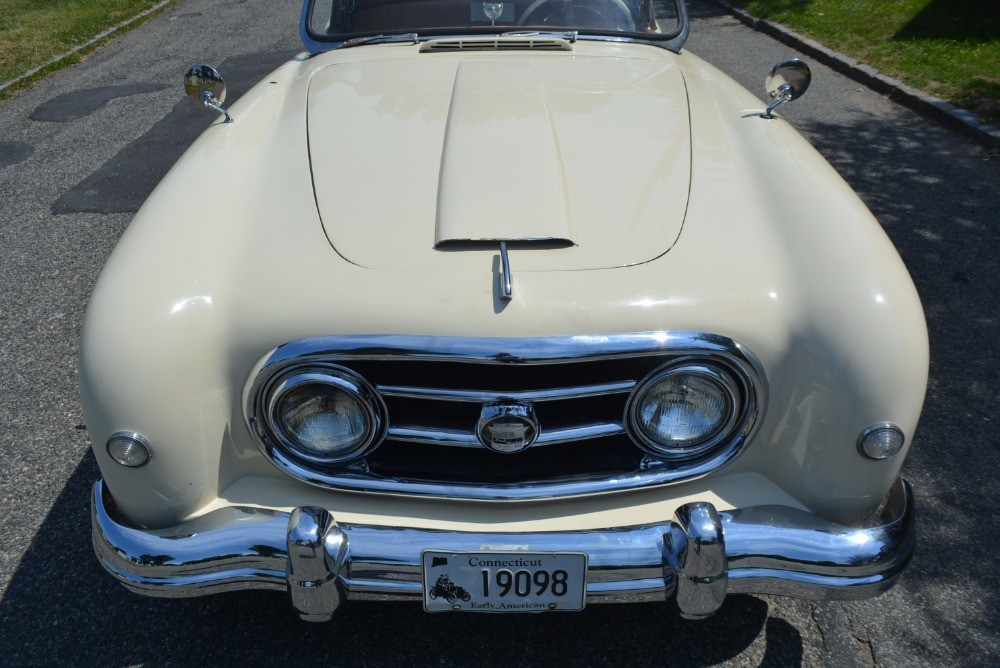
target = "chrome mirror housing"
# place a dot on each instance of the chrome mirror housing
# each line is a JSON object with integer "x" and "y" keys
{"x": 205, "y": 86}
{"x": 788, "y": 80}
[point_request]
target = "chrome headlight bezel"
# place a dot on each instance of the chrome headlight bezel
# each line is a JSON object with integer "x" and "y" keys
{"x": 734, "y": 386}
{"x": 282, "y": 446}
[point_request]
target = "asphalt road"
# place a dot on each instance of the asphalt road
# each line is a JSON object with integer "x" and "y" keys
{"x": 80, "y": 151}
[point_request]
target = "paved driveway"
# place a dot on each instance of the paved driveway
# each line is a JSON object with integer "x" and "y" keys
{"x": 80, "y": 151}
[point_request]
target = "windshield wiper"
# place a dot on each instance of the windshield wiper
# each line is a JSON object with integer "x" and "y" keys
{"x": 358, "y": 41}
{"x": 568, "y": 35}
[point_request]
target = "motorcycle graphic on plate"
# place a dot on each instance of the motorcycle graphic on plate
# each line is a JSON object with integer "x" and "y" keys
{"x": 448, "y": 590}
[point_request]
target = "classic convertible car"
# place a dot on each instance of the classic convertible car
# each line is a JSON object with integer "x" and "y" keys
{"x": 505, "y": 307}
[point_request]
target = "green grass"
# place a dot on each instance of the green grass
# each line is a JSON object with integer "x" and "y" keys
{"x": 32, "y": 32}
{"x": 948, "y": 48}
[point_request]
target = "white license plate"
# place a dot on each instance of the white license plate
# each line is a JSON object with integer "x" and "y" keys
{"x": 504, "y": 581}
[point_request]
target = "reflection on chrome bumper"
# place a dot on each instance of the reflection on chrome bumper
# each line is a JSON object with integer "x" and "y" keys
{"x": 691, "y": 561}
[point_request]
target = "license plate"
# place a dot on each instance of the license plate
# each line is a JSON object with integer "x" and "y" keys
{"x": 503, "y": 581}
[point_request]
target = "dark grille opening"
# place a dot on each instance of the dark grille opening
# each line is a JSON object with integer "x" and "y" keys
{"x": 481, "y": 466}
{"x": 457, "y": 415}
{"x": 581, "y": 411}
{"x": 463, "y": 415}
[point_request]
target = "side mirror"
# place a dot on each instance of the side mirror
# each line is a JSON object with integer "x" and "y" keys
{"x": 788, "y": 80}
{"x": 205, "y": 86}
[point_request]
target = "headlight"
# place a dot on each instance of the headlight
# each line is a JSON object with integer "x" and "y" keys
{"x": 684, "y": 409}
{"x": 324, "y": 414}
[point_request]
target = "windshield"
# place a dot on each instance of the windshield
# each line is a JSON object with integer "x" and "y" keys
{"x": 338, "y": 21}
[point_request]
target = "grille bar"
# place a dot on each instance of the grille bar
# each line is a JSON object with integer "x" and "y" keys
{"x": 464, "y": 439}
{"x": 481, "y": 396}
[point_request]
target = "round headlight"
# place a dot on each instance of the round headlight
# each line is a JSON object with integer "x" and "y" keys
{"x": 325, "y": 415}
{"x": 683, "y": 410}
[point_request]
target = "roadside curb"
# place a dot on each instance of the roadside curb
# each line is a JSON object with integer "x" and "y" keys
{"x": 89, "y": 43}
{"x": 948, "y": 114}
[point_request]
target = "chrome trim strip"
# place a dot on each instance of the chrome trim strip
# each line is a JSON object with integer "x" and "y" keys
{"x": 201, "y": 584}
{"x": 693, "y": 560}
{"x": 484, "y": 396}
{"x": 462, "y": 439}
{"x": 504, "y": 351}
{"x": 499, "y": 350}
{"x": 582, "y": 433}
{"x": 458, "y": 439}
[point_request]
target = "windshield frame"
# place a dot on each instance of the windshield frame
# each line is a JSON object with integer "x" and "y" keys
{"x": 673, "y": 41}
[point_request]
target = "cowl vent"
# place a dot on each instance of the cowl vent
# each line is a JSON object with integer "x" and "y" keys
{"x": 497, "y": 44}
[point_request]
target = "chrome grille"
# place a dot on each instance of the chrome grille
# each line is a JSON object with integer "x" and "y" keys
{"x": 445, "y": 413}
{"x": 434, "y": 389}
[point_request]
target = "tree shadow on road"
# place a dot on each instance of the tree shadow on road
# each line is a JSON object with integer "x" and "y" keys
{"x": 937, "y": 198}
{"x": 123, "y": 182}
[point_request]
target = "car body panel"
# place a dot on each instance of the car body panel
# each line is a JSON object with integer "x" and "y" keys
{"x": 540, "y": 147}
{"x": 812, "y": 286}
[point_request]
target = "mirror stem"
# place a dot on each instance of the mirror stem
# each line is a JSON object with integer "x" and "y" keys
{"x": 786, "y": 95}
{"x": 209, "y": 101}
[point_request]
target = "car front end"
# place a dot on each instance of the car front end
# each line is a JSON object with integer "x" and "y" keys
{"x": 542, "y": 326}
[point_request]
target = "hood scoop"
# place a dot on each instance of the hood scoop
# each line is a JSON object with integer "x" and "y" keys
{"x": 514, "y": 188}
{"x": 426, "y": 164}
{"x": 511, "y": 43}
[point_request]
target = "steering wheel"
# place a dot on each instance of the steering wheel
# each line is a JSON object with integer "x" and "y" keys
{"x": 579, "y": 14}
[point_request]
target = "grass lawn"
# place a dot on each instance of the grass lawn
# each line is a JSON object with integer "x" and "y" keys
{"x": 34, "y": 31}
{"x": 949, "y": 48}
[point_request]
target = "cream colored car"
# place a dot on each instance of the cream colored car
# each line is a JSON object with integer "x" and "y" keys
{"x": 506, "y": 307}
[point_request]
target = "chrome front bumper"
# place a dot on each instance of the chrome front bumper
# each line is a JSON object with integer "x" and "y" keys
{"x": 691, "y": 561}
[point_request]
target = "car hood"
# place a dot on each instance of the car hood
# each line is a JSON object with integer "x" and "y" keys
{"x": 426, "y": 163}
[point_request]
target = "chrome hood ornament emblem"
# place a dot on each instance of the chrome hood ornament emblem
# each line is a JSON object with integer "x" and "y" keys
{"x": 507, "y": 427}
